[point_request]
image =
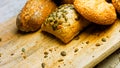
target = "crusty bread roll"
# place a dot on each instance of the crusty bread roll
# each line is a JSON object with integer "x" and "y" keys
{"x": 116, "y": 4}
{"x": 65, "y": 23}
{"x": 34, "y": 14}
{"x": 96, "y": 11}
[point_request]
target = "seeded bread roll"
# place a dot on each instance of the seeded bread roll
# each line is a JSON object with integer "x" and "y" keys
{"x": 34, "y": 14}
{"x": 116, "y": 4}
{"x": 65, "y": 23}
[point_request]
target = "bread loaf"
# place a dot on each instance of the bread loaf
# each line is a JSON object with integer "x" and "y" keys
{"x": 34, "y": 14}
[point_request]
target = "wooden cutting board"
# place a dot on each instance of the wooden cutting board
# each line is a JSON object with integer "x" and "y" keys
{"x": 43, "y": 50}
{"x": 30, "y": 50}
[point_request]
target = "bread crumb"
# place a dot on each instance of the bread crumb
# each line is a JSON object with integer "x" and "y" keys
{"x": 43, "y": 65}
{"x": 0, "y": 39}
{"x": 60, "y": 60}
{"x": 12, "y": 54}
{"x": 22, "y": 53}
{"x": 0, "y": 54}
{"x": 97, "y": 44}
{"x": 24, "y": 56}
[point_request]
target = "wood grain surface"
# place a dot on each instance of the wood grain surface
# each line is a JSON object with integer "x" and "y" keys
{"x": 39, "y": 49}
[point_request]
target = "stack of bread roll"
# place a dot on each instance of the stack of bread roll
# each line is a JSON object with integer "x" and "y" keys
{"x": 66, "y": 18}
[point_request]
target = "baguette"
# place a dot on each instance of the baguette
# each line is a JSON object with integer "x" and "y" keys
{"x": 34, "y": 14}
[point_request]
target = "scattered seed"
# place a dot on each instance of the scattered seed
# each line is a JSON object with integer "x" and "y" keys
{"x": 43, "y": 65}
{"x": 93, "y": 56}
{"x": 24, "y": 56}
{"x": 76, "y": 50}
{"x": 103, "y": 39}
{"x": 45, "y": 56}
{"x": 97, "y": 44}
{"x": 87, "y": 42}
{"x": 0, "y": 39}
{"x": 12, "y": 54}
{"x": 63, "y": 53}
{"x": 45, "y": 53}
{"x": 23, "y": 49}
{"x": 60, "y": 60}
{"x": 119, "y": 30}
{"x": 0, "y": 54}
{"x": 50, "y": 50}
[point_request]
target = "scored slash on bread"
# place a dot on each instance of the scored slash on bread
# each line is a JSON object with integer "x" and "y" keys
{"x": 64, "y": 23}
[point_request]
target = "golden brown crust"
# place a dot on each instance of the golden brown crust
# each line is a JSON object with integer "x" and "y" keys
{"x": 33, "y": 14}
{"x": 116, "y": 4}
{"x": 65, "y": 23}
{"x": 97, "y": 11}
